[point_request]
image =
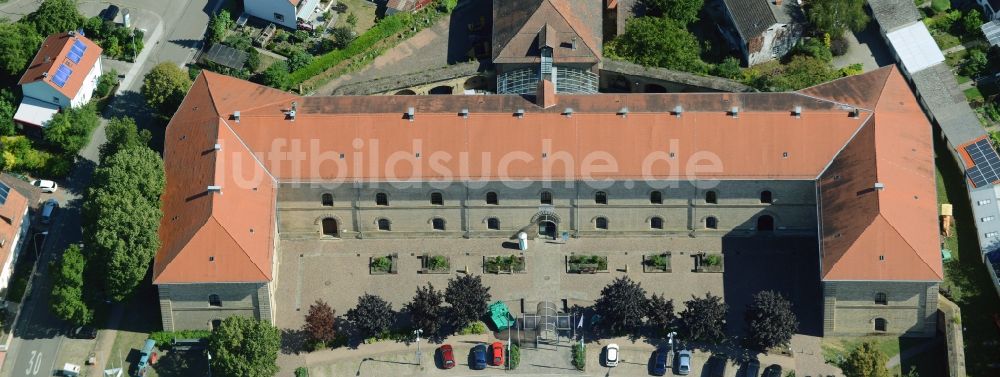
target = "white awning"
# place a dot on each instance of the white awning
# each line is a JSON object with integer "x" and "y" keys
{"x": 34, "y": 112}
{"x": 992, "y": 32}
{"x": 915, "y": 47}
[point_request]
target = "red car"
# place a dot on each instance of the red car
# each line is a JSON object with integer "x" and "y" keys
{"x": 447, "y": 357}
{"x": 496, "y": 354}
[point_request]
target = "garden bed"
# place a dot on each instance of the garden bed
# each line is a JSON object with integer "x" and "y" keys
{"x": 503, "y": 264}
{"x": 435, "y": 264}
{"x": 709, "y": 262}
{"x": 586, "y": 264}
{"x": 383, "y": 265}
{"x": 656, "y": 262}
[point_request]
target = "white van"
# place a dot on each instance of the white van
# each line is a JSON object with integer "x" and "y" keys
{"x": 48, "y": 209}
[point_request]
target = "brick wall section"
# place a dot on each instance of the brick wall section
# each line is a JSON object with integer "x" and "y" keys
{"x": 850, "y": 308}
{"x": 465, "y": 212}
{"x": 186, "y": 306}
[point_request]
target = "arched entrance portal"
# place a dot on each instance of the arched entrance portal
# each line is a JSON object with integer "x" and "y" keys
{"x": 548, "y": 224}
{"x": 765, "y": 223}
{"x": 330, "y": 227}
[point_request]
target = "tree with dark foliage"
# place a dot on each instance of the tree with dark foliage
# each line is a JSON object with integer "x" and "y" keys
{"x": 427, "y": 309}
{"x": 244, "y": 346}
{"x": 468, "y": 298}
{"x": 320, "y": 323}
{"x": 770, "y": 321}
{"x": 704, "y": 319}
{"x": 685, "y": 11}
{"x": 372, "y": 316}
{"x": 660, "y": 313}
{"x": 622, "y": 305}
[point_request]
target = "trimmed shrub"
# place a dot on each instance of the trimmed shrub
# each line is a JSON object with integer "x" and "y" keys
{"x": 579, "y": 352}
{"x": 474, "y": 328}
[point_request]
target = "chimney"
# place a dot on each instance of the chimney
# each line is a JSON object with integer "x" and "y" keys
{"x": 236, "y": 116}
{"x": 797, "y": 112}
{"x": 215, "y": 189}
{"x": 855, "y": 113}
{"x": 545, "y": 96}
{"x": 291, "y": 113}
{"x": 735, "y": 111}
{"x": 678, "y": 110}
{"x": 411, "y": 113}
{"x": 45, "y": 74}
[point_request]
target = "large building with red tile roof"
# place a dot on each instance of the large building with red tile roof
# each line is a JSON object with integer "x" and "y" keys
{"x": 63, "y": 74}
{"x": 848, "y": 162}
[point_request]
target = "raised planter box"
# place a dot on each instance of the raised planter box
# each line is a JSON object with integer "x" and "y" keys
{"x": 435, "y": 264}
{"x": 384, "y": 265}
{"x": 503, "y": 264}
{"x": 586, "y": 264}
{"x": 656, "y": 262}
{"x": 709, "y": 262}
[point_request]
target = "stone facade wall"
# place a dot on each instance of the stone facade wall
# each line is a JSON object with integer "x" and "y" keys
{"x": 465, "y": 211}
{"x": 186, "y": 306}
{"x": 850, "y": 307}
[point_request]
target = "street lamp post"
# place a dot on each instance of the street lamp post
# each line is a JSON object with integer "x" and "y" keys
{"x": 209, "y": 363}
{"x": 506, "y": 319}
{"x": 417, "y": 332}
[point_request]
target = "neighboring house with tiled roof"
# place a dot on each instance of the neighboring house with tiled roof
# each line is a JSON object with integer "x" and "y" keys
{"x": 15, "y": 201}
{"x": 63, "y": 73}
{"x": 558, "y": 39}
{"x": 762, "y": 30}
{"x": 850, "y": 161}
{"x": 281, "y": 12}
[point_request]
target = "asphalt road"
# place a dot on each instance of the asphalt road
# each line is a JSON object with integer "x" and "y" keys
{"x": 38, "y": 335}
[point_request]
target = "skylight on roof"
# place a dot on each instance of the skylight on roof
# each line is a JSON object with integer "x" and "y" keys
{"x": 62, "y": 74}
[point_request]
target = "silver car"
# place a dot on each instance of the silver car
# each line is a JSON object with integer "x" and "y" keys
{"x": 46, "y": 186}
{"x": 683, "y": 362}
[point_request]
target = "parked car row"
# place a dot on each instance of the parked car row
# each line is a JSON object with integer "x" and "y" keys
{"x": 716, "y": 365}
{"x": 480, "y": 356}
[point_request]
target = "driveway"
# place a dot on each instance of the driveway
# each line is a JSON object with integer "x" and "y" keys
{"x": 867, "y": 48}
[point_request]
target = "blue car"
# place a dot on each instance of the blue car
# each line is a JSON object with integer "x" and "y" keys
{"x": 659, "y": 362}
{"x": 478, "y": 357}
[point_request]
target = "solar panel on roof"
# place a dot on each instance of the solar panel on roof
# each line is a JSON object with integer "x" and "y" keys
{"x": 74, "y": 56}
{"x": 78, "y": 44}
{"x": 986, "y": 169}
{"x": 62, "y": 74}
{"x": 4, "y": 191}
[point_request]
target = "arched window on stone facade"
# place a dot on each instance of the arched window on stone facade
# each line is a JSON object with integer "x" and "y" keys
{"x": 381, "y": 199}
{"x": 711, "y": 197}
{"x": 491, "y": 198}
{"x": 881, "y": 298}
{"x": 601, "y": 223}
{"x": 438, "y": 223}
{"x": 656, "y": 223}
{"x": 546, "y": 197}
{"x": 437, "y": 199}
{"x": 881, "y": 325}
{"x": 214, "y": 300}
{"x": 765, "y": 197}
{"x": 656, "y": 197}
{"x": 330, "y": 227}
{"x": 327, "y": 200}
{"x": 384, "y": 225}
{"x": 711, "y": 222}
{"x": 493, "y": 223}
{"x": 601, "y": 197}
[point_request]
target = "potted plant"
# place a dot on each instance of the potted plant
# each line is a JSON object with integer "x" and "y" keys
{"x": 435, "y": 264}
{"x": 656, "y": 262}
{"x": 382, "y": 265}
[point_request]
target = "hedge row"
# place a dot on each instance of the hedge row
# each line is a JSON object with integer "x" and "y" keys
{"x": 165, "y": 339}
{"x": 384, "y": 29}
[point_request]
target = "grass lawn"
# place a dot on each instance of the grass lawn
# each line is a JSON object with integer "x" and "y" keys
{"x": 928, "y": 362}
{"x": 945, "y": 40}
{"x": 966, "y": 278}
{"x": 956, "y": 58}
{"x": 265, "y": 61}
{"x": 962, "y": 79}
{"x": 973, "y": 95}
{"x": 363, "y": 10}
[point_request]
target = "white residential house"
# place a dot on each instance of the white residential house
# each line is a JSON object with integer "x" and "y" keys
{"x": 281, "y": 12}
{"x": 64, "y": 73}
{"x": 14, "y": 225}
